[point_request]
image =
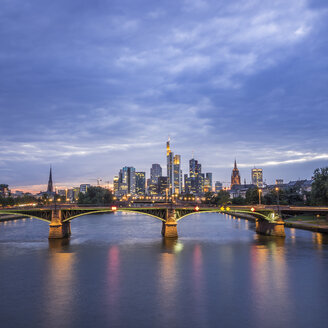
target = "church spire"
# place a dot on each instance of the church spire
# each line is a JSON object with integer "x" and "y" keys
{"x": 235, "y": 176}
{"x": 50, "y": 184}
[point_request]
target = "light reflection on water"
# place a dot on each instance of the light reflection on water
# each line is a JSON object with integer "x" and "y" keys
{"x": 117, "y": 271}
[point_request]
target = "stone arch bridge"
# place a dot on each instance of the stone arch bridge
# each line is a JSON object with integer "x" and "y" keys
{"x": 268, "y": 222}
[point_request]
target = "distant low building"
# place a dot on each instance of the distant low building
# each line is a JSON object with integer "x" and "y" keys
{"x": 84, "y": 187}
{"x": 240, "y": 190}
{"x": 218, "y": 186}
{"x": 279, "y": 182}
{"x": 4, "y": 190}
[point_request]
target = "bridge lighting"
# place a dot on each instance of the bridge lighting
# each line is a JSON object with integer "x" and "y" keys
{"x": 228, "y": 209}
{"x": 196, "y": 208}
{"x": 253, "y": 209}
{"x": 222, "y": 208}
{"x": 114, "y": 208}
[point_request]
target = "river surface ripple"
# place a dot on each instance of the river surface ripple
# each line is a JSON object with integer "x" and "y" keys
{"x": 117, "y": 271}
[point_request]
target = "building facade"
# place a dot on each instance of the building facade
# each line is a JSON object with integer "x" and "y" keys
{"x": 257, "y": 177}
{"x": 140, "y": 183}
{"x": 170, "y": 169}
{"x": 127, "y": 181}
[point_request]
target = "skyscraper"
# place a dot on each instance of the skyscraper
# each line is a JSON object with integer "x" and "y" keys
{"x": 115, "y": 185}
{"x": 170, "y": 169}
{"x": 177, "y": 175}
{"x": 208, "y": 182}
{"x": 140, "y": 183}
{"x": 127, "y": 181}
{"x": 155, "y": 172}
{"x": 235, "y": 176}
{"x": 162, "y": 185}
{"x": 257, "y": 177}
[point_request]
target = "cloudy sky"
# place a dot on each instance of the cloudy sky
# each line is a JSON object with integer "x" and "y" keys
{"x": 91, "y": 86}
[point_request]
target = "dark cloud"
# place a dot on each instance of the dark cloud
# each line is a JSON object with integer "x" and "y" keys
{"x": 92, "y": 86}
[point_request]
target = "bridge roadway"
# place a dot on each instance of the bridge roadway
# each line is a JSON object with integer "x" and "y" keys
{"x": 268, "y": 217}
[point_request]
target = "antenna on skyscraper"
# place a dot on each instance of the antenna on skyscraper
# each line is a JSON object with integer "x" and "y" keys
{"x": 192, "y": 153}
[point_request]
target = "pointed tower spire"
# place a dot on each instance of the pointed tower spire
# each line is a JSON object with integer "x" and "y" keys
{"x": 235, "y": 164}
{"x": 50, "y": 184}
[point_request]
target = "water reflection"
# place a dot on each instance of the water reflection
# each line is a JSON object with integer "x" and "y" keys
{"x": 59, "y": 284}
{"x": 168, "y": 283}
{"x": 319, "y": 239}
{"x": 269, "y": 279}
{"x": 198, "y": 287}
{"x": 113, "y": 281}
{"x": 171, "y": 245}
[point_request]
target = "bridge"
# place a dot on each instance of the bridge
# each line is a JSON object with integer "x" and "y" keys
{"x": 268, "y": 220}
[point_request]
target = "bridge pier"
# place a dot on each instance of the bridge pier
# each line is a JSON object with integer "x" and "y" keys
{"x": 267, "y": 228}
{"x": 169, "y": 227}
{"x": 57, "y": 228}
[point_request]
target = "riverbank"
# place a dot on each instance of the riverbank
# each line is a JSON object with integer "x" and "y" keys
{"x": 312, "y": 226}
{"x": 10, "y": 217}
{"x": 304, "y": 223}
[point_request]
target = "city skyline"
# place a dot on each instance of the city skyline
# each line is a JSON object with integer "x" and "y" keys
{"x": 147, "y": 174}
{"x": 100, "y": 86}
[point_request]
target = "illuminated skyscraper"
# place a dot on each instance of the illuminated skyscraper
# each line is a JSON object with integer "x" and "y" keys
{"x": 115, "y": 185}
{"x": 177, "y": 175}
{"x": 257, "y": 177}
{"x": 235, "y": 177}
{"x": 140, "y": 183}
{"x": 127, "y": 181}
{"x": 155, "y": 172}
{"x": 194, "y": 168}
{"x": 170, "y": 169}
{"x": 208, "y": 182}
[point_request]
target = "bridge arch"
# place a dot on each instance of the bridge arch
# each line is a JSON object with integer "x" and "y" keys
{"x": 27, "y": 215}
{"x": 111, "y": 211}
{"x": 233, "y": 213}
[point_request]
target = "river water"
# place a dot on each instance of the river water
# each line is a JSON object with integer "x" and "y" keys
{"x": 117, "y": 271}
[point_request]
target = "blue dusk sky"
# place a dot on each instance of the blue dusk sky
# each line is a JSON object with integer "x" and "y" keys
{"x": 92, "y": 86}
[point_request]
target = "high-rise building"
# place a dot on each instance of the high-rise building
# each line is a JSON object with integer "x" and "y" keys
{"x": 127, "y": 181}
{"x": 257, "y": 177}
{"x": 208, "y": 182}
{"x": 140, "y": 183}
{"x": 187, "y": 184}
{"x": 155, "y": 172}
{"x": 152, "y": 183}
{"x": 235, "y": 176}
{"x": 115, "y": 185}
{"x": 177, "y": 175}
{"x": 196, "y": 178}
{"x": 194, "y": 168}
{"x": 163, "y": 185}
{"x": 279, "y": 181}
{"x": 170, "y": 169}
{"x": 218, "y": 186}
